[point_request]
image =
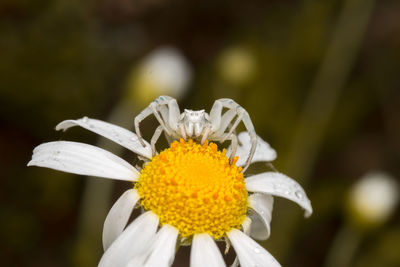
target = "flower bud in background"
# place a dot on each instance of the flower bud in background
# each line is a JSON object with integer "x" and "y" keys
{"x": 165, "y": 71}
{"x": 237, "y": 65}
{"x": 372, "y": 199}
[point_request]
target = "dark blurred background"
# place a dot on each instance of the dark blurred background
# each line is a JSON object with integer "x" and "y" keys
{"x": 320, "y": 80}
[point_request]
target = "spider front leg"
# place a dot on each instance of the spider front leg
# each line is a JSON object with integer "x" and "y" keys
{"x": 158, "y": 105}
{"x": 156, "y": 136}
{"x": 244, "y": 116}
{"x": 170, "y": 112}
{"x": 219, "y": 123}
{"x": 151, "y": 109}
{"x": 205, "y": 133}
{"x": 234, "y": 144}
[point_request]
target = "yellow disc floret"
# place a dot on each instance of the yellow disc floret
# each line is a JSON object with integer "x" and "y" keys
{"x": 194, "y": 188}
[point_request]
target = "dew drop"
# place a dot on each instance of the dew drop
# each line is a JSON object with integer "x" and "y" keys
{"x": 299, "y": 194}
{"x": 85, "y": 119}
{"x": 256, "y": 250}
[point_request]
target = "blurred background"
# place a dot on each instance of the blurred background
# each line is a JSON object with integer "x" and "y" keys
{"x": 320, "y": 80}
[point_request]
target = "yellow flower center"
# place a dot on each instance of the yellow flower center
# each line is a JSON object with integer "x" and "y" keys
{"x": 194, "y": 188}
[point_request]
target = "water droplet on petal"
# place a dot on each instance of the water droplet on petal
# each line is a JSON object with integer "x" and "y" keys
{"x": 299, "y": 194}
{"x": 85, "y": 119}
{"x": 256, "y": 250}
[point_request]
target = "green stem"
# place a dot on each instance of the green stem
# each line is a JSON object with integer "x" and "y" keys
{"x": 343, "y": 247}
{"x": 322, "y": 101}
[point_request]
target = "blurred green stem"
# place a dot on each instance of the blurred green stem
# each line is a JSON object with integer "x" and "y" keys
{"x": 322, "y": 100}
{"x": 329, "y": 82}
{"x": 343, "y": 247}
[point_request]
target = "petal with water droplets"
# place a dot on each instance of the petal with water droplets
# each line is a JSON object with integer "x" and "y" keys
{"x": 278, "y": 184}
{"x": 82, "y": 159}
{"x": 262, "y": 205}
{"x": 249, "y": 252}
{"x": 110, "y": 131}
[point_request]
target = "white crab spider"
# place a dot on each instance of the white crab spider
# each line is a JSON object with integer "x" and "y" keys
{"x": 198, "y": 124}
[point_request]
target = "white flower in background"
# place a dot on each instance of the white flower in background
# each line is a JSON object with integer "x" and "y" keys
{"x": 190, "y": 194}
{"x": 373, "y": 198}
{"x": 165, "y": 71}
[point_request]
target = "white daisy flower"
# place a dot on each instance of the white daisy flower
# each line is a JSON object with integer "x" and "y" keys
{"x": 373, "y": 198}
{"x": 190, "y": 194}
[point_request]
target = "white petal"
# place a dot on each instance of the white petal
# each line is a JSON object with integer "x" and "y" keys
{"x": 262, "y": 205}
{"x": 205, "y": 252}
{"x": 132, "y": 242}
{"x": 264, "y": 152}
{"x": 113, "y": 132}
{"x": 162, "y": 250}
{"x": 82, "y": 159}
{"x": 249, "y": 252}
{"x": 278, "y": 184}
{"x": 118, "y": 216}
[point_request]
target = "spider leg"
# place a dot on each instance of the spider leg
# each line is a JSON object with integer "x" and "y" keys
{"x": 139, "y": 118}
{"x": 169, "y": 110}
{"x": 233, "y": 138}
{"x": 154, "y": 108}
{"x": 242, "y": 115}
{"x": 156, "y": 136}
{"x": 206, "y": 132}
{"x": 182, "y": 131}
{"x": 253, "y": 139}
{"x": 164, "y": 114}
{"x": 215, "y": 115}
{"x": 173, "y": 114}
{"x": 234, "y": 145}
{"x": 225, "y": 122}
{"x": 219, "y": 124}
